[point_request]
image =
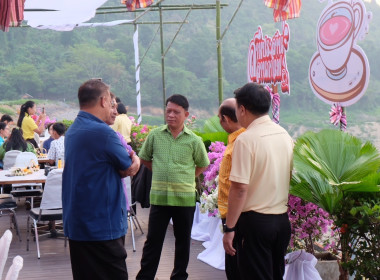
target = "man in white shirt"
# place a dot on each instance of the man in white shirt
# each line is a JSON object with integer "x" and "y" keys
{"x": 57, "y": 147}
{"x": 262, "y": 161}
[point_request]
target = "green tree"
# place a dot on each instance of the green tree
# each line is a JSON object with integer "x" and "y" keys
{"x": 25, "y": 79}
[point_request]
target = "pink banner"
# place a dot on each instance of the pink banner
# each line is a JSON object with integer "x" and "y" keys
{"x": 267, "y": 58}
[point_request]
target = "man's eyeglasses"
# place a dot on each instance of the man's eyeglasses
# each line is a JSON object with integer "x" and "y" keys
{"x": 112, "y": 102}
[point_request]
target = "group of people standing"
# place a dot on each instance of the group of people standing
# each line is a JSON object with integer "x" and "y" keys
{"x": 254, "y": 184}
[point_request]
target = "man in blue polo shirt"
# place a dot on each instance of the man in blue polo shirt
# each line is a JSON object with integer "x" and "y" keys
{"x": 94, "y": 206}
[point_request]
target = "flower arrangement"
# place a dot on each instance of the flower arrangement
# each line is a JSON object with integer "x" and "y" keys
{"x": 209, "y": 202}
{"x": 190, "y": 122}
{"x": 139, "y": 133}
{"x": 209, "y": 197}
{"x": 310, "y": 224}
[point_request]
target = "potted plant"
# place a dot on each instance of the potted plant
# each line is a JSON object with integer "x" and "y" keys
{"x": 313, "y": 231}
{"x": 310, "y": 225}
{"x": 340, "y": 174}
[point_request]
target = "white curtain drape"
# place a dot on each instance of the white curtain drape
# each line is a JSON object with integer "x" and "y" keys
{"x": 65, "y": 15}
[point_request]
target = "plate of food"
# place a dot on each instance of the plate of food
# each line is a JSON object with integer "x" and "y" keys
{"x": 20, "y": 171}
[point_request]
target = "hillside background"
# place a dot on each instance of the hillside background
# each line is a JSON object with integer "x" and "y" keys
{"x": 51, "y": 65}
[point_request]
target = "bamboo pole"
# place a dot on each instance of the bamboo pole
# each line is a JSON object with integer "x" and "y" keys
{"x": 162, "y": 62}
{"x": 163, "y": 6}
{"x": 132, "y": 23}
{"x": 179, "y": 29}
{"x": 219, "y": 53}
{"x": 231, "y": 20}
{"x": 153, "y": 10}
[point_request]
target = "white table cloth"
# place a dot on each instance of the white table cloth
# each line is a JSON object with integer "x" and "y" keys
{"x": 208, "y": 229}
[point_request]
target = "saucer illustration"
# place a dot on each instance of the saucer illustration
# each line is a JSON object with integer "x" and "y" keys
{"x": 348, "y": 88}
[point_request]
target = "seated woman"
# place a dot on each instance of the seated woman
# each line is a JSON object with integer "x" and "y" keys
{"x": 16, "y": 142}
{"x": 4, "y": 132}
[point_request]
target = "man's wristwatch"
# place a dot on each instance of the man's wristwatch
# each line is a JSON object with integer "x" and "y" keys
{"x": 227, "y": 229}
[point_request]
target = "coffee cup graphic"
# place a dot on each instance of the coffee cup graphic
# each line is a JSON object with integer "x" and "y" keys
{"x": 337, "y": 30}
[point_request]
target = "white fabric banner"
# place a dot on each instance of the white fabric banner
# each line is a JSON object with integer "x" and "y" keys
{"x": 65, "y": 15}
{"x": 69, "y": 27}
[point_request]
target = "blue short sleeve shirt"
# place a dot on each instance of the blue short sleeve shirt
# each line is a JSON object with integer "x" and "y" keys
{"x": 94, "y": 206}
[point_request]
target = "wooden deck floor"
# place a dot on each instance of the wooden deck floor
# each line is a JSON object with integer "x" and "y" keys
{"x": 55, "y": 258}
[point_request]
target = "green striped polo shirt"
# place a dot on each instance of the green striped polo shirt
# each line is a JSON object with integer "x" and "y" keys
{"x": 173, "y": 164}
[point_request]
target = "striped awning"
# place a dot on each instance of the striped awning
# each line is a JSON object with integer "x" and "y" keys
{"x": 136, "y": 4}
{"x": 11, "y": 13}
{"x": 284, "y": 9}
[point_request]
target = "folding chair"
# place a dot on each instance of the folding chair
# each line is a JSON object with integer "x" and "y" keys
{"x": 50, "y": 208}
{"x": 25, "y": 159}
{"x": 132, "y": 217}
{"x": 7, "y": 203}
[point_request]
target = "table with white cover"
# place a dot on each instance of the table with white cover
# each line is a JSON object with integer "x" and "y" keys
{"x": 208, "y": 229}
{"x": 35, "y": 177}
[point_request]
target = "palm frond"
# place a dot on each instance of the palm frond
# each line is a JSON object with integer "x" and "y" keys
{"x": 329, "y": 163}
{"x": 339, "y": 156}
{"x": 313, "y": 188}
{"x": 212, "y": 125}
{"x": 369, "y": 183}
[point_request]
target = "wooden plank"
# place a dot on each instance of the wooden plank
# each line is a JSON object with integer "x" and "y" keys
{"x": 55, "y": 258}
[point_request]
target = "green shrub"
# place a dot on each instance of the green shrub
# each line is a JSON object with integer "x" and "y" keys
{"x": 7, "y": 111}
{"x": 67, "y": 123}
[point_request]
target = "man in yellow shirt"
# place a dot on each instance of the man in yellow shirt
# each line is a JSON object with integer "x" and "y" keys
{"x": 262, "y": 161}
{"x": 230, "y": 124}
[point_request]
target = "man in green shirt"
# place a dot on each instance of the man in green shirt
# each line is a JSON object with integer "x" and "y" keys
{"x": 175, "y": 155}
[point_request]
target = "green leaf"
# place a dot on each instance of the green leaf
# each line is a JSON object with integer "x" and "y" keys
{"x": 330, "y": 163}
{"x": 212, "y": 125}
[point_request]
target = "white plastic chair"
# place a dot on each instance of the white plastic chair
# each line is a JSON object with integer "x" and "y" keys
{"x": 10, "y": 159}
{"x": 14, "y": 269}
{"x": 50, "y": 208}
{"x": 5, "y": 242}
{"x": 23, "y": 160}
{"x": 132, "y": 218}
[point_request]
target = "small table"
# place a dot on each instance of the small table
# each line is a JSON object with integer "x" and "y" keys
{"x": 35, "y": 177}
{"x": 43, "y": 160}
